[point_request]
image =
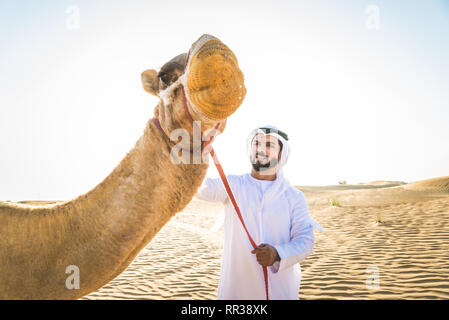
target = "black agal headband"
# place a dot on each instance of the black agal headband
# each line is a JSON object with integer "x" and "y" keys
{"x": 271, "y": 130}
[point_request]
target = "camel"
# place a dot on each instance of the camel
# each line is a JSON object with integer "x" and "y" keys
{"x": 99, "y": 233}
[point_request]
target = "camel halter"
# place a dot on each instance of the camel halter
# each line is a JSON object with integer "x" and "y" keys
{"x": 181, "y": 82}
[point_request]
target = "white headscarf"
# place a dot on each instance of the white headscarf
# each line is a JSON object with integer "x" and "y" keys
{"x": 273, "y": 132}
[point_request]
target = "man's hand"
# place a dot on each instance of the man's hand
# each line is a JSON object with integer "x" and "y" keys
{"x": 266, "y": 255}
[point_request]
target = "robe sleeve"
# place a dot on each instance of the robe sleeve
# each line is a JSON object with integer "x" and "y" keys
{"x": 213, "y": 190}
{"x": 302, "y": 239}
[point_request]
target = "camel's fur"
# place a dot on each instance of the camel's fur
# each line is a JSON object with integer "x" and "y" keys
{"x": 102, "y": 231}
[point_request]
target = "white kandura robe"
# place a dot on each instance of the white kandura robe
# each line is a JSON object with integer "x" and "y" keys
{"x": 278, "y": 216}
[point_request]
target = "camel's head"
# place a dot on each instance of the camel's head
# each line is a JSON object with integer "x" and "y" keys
{"x": 211, "y": 79}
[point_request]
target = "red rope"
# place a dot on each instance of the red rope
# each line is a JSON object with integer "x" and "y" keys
{"x": 237, "y": 209}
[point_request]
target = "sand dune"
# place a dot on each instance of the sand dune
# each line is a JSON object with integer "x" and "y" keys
{"x": 384, "y": 183}
{"x": 408, "y": 249}
{"x": 440, "y": 184}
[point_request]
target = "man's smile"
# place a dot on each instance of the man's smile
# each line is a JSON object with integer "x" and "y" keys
{"x": 262, "y": 156}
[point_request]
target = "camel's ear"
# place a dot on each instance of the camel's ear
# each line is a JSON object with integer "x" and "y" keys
{"x": 150, "y": 82}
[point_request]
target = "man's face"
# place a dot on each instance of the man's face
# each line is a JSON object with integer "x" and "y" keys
{"x": 265, "y": 152}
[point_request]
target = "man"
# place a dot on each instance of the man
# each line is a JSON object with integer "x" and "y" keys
{"x": 276, "y": 216}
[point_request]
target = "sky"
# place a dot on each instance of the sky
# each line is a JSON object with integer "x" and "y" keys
{"x": 360, "y": 87}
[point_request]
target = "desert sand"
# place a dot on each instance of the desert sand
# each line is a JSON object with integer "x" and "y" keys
{"x": 396, "y": 231}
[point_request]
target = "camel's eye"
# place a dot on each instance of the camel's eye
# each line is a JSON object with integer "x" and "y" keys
{"x": 165, "y": 77}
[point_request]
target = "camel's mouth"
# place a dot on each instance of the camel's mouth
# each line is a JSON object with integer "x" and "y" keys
{"x": 213, "y": 80}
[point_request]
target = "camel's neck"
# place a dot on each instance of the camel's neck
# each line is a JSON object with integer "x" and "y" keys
{"x": 138, "y": 198}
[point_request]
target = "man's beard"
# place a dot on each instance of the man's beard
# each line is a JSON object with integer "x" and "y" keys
{"x": 260, "y": 167}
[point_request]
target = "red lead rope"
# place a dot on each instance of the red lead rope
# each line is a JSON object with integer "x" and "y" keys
{"x": 236, "y": 207}
{"x": 226, "y": 185}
